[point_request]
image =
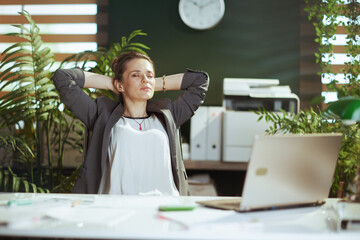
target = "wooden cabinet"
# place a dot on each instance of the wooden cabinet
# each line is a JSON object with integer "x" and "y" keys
{"x": 215, "y": 165}
{"x": 228, "y": 177}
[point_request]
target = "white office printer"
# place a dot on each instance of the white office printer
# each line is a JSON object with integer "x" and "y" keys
{"x": 240, "y": 124}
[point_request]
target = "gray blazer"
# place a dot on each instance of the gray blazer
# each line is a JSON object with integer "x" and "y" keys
{"x": 100, "y": 116}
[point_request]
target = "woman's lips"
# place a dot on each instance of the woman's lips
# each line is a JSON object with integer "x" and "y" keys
{"x": 146, "y": 88}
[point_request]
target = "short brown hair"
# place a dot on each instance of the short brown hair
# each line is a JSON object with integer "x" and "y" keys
{"x": 119, "y": 63}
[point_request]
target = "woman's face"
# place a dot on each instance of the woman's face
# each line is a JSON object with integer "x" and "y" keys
{"x": 138, "y": 80}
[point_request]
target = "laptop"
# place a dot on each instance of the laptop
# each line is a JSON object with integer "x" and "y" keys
{"x": 286, "y": 171}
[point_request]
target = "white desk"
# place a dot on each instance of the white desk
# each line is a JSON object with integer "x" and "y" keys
{"x": 137, "y": 217}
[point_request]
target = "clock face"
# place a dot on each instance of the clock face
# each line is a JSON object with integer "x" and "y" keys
{"x": 201, "y": 14}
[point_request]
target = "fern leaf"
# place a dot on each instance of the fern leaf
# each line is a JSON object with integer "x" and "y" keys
{"x": 10, "y": 109}
{"x": 43, "y": 63}
{"x": 43, "y": 116}
{"x": 21, "y": 27}
{"x": 135, "y": 33}
{"x": 140, "y": 45}
{"x": 7, "y": 75}
{"x": 36, "y": 43}
{"x": 26, "y": 186}
{"x": 44, "y": 52}
{"x": 46, "y": 108}
{"x": 6, "y": 181}
{"x": 21, "y": 92}
{"x": 46, "y": 87}
{"x": 43, "y": 74}
{"x": 42, "y": 81}
{"x": 14, "y": 105}
{"x": 18, "y": 45}
{"x": 34, "y": 188}
{"x": 47, "y": 94}
{"x": 16, "y": 184}
{"x": 27, "y": 15}
{"x": 135, "y": 49}
{"x": 21, "y": 59}
{"x": 52, "y": 101}
{"x": 123, "y": 42}
{"x": 47, "y": 55}
{"x": 11, "y": 53}
{"x": 6, "y": 71}
{"x": 19, "y": 114}
{"x": 20, "y": 35}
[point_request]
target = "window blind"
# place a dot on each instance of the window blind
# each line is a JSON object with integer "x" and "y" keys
{"x": 66, "y": 26}
{"x": 339, "y": 58}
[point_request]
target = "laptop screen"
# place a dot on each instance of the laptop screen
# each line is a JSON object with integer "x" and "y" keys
{"x": 290, "y": 169}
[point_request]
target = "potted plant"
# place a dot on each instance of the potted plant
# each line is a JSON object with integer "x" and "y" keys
{"x": 34, "y": 130}
{"x": 348, "y": 109}
{"x": 324, "y": 16}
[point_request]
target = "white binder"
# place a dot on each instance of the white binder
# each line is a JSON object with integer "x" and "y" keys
{"x": 213, "y": 139}
{"x": 205, "y": 134}
{"x": 198, "y": 134}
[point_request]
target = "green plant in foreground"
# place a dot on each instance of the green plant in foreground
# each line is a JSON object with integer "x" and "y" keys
{"x": 30, "y": 115}
{"x": 313, "y": 122}
{"x": 34, "y": 133}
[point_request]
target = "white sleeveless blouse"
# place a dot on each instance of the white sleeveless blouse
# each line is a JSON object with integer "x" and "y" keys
{"x": 138, "y": 160}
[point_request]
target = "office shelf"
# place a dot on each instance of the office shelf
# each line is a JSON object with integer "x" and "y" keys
{"x": 215, "y": 165}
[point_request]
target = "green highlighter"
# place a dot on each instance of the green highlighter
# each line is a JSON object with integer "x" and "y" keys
{"x": 176, "y": 207}
{"x": 19, "y": 202}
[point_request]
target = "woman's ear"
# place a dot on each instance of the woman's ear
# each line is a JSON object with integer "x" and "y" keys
{"x": 118, "y": 86}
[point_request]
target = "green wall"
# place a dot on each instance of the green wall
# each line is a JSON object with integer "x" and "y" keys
{"x": 255, "y": 39}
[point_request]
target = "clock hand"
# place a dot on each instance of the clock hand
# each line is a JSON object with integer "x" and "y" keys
{"x": 207, "y": 4}
{"x": 195, "y": 3}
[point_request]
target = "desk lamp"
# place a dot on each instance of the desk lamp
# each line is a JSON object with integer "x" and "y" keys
{"x": 348, "y": 109}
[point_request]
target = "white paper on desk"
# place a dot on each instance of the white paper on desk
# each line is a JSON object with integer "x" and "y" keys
{"x": 19, "y": 218}
{"x": 214, "y": 220}
{"x": 197, "y": 216}
{"x": 81, "y": 214}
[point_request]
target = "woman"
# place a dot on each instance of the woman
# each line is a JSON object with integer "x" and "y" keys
{"x": 134, "y": 146}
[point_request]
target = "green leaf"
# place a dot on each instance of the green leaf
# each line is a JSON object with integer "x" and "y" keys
{"x": 43, "y": 81}
{"x": 46, "y": 88}
{"x": 41, "y": 190}
{"x": 41, "y": 65}
{"x": 46, "y": 108}
{"x": 10, "y": 54}
{"x": 47, "y": 94}
{"x": 21, "y": 27}
{"x": 25, "y": 36}
{"x": 14, "y": 74}
{"x": 34, "y": 188}
{"x": 16, "y": 184}
{"x": 123, "y": 42}
{"x": 134, "y": 49}
{"x": 43, "y": 74}
{"x": 139, "y": 45}
{"x": 6, "y": 181}
{"x": 136, "y": 33}
{"x": 18, "y": 45}
{"x": 26, "y": 186}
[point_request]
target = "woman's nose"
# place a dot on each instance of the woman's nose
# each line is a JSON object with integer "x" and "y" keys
{"x": 145, "y": 78}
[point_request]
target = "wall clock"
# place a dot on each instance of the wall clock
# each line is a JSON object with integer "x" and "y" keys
{"x": 201, "y": 14}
